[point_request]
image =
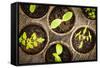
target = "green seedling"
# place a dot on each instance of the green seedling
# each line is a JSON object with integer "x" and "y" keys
{"x": 91, "y": 12}
{"x": 59, "y": 50}
{"x": 66, "y": 17}
{"x": 32, "y": 8}
{"x": 31, "y": 42}
{"x": 81, "y": 36}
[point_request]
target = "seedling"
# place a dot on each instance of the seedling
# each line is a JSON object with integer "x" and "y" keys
{"x": 59, "y": 50}
{"x": 81, "y": 36}
{"x": 31, "y": 42}
{"x": 32, "y": 8}
{"x": 66, "y": 17}
{"x": 91, "y": 12}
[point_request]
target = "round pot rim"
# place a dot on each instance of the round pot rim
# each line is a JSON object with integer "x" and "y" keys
{"x": 73, "y": 34}
{"x": 47, "y": 34}
{"x": 31, "y": 17}
{"x": 59, "y": 34}
{"x": 63, "y": 43}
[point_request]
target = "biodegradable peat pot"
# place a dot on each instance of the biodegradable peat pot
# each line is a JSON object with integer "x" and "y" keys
{"x": 66, "y": 55}
{"x": 65, "y": 26}
{"x": 40, "y": 32}
{"x": 89, "y": 13}
{"x": 83, "y": 44}
{"x": 39, "y": 12}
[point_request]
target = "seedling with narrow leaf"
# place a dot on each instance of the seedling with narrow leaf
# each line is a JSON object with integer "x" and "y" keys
{"x": 81, "y": 36}
{"x": 31, "y": 42}
{"x": 59, "y": 50}
{"x": 66, "y": 17}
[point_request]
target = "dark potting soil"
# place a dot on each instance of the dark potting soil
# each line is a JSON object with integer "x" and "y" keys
{"x": 87, "y": 46}
{"x": 66, "y": 56}
{"x": 30, "y": 29}
{"x": 40, "y": 11}
{"x": 58, "y": 12}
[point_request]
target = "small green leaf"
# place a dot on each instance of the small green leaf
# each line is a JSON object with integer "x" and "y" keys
{"x": 85, "y": 29}
{"x": 67, "y": 16}
{"x": 40, "y": 40}
{"x": 57, "y": 57}
{"x": 24, "y": 36}
{"x": 55, "y": 23}
{"x": 32, "y": 8}
{"x": 90, "y": 37}
{"x": 29, "y": 45}
{"x": 80, "y": 37}
{"x": 81, "y": 44}
{"x": 77, "y": 34}
{"x": 35, "y": 44}
{"x": 23, "y": 42}
{"x": 59, "y": 49}
{"x": 83, "y": 37}
{"x": 87, "y": 38}
{"x": 34, "y": 36}
{"x": 20, "y": 39}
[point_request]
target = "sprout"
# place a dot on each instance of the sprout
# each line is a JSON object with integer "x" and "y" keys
{"x": 56, "y": 22}
{"x": 59, "y": 50}
{"x": 81, "y": 36}
{"x": 91, "y": 12}
{"x": 31, "y": 42}
{"x": 32, "y": 8}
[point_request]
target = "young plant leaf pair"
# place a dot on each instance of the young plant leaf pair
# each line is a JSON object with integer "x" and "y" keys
{"x": 59, "y": 50}
{"x": 66, "y": 17}
{"x": 31, "y": 42}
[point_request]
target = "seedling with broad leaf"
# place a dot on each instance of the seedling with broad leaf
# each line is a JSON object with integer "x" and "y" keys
{"x": 31, "y": 42}
{"x": 59, "y": 50}
{"x": 66, "y": 17}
